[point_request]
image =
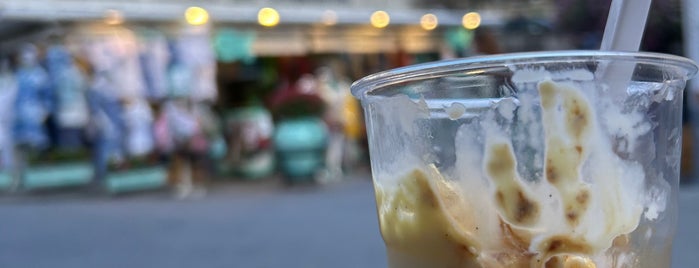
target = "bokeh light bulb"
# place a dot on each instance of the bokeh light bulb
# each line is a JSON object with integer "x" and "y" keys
{"x": 196, "y": 16}
{"x": 329, "y": 17}
{"x": 471, "y": 20}
{"x": 268, "y": 17}
{"x": 113, "y": 17}
{"x": 429, "y": 21}
{"x": 380, "y": 19}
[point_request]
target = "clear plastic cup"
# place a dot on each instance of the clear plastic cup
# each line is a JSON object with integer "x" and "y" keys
{"x": 527, "y": 160}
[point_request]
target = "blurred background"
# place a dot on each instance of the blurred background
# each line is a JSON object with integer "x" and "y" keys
{"x": 222, "y": 133}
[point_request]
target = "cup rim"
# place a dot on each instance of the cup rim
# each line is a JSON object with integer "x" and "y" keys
{"x": 362, "y": 87}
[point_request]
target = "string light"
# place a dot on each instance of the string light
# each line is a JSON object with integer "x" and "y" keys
{"x": 429, "y": 21}
{"x": 380, "y": 19}
{"x": 196, "y": 16}
{"x": 268, "y": 17}
{"x": 471, "y": 20}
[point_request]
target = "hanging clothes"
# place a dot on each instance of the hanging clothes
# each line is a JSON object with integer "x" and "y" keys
{"x": 71, "y": 112}
{"x": 107, "y": 124}
{"x": 139, "y": 121}
{"x": 115, "y": 55}
{"x": 32, "y": 103}
{"x": 162, "y": 134}
{"x": 195, "y": 50}
{"x": 114, "y": 52}
{"x": 183, "y": 123}
{"x": 154, "y": 56}
{"x": 8, "y": 92}
{"x": 179, "y": 75}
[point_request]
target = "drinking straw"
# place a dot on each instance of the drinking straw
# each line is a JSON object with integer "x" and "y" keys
{"x": 623, "y": 32}
{"x": 625, "y": 24}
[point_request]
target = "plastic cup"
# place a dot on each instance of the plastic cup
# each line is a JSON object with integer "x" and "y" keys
{"x": 519, "y": 160}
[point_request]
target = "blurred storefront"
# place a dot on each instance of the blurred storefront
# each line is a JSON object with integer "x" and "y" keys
{"x": 289, "y": 27}
{"x": 182, "y": 92}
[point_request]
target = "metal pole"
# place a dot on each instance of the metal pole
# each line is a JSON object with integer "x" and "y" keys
{"x": 690, "y": 26}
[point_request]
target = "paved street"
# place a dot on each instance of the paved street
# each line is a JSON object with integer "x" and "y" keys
{"x": 236, "y": 225}
{"x": 248, "y": 225}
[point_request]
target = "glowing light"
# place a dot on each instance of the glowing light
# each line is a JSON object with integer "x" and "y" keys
{"x": 471, "y": 20}
{"x": 268, "y": 17}
{"x": 429, "y": 21}
{"x": 380, "y": 19}
{"x": 329, "y": 17}
{"x": 113, "y": 17}
{"x": 196, "y": 16}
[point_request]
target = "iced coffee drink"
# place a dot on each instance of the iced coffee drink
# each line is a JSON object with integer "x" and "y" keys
{"x": 527, "y": 160}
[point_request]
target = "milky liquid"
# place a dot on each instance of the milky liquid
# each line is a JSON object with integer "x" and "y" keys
{"x": 554, "y": 191}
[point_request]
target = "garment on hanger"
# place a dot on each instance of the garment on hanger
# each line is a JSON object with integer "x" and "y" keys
{"x": 139, "y": 121}
{"x": 71, "y": 111}
{"x": 107, "y": 122}
{"x": 115, "y": 53}
{"x": 154, "y": 56}
{"x": 180, "y": 78}
{"x": 115, "y": 56}
{"x": 183, "y": 123}
{"x": 233, "y": 45}
{"x": 8, "y": 92}
{"x": 32, "y": 103}
{"x": 195, "y": 50}
{"x": 162, "y": 134}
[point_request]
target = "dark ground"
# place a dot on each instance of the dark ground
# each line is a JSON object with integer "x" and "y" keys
{"x": 263, "y": 224}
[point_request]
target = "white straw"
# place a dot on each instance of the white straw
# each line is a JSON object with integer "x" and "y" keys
{"x": 625, "y": 25}
{"x": 624, "y": 31}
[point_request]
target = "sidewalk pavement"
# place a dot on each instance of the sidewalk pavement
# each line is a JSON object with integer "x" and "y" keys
{"x": 263, "y": 224}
